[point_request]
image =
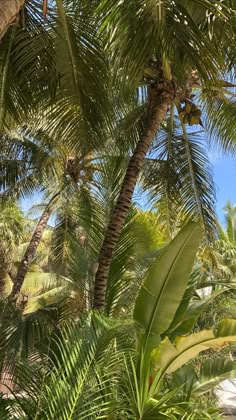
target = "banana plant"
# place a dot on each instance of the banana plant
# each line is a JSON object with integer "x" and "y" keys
{"x": 165, "y": 285}
{"x": 156, "y": 307}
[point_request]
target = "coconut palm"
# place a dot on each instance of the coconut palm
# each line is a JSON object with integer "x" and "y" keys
{"x": 59, "y": 172}
{"x": 174, "y": 51}
{"x": 175, "y": 67}
{"x": 12, "y": 11}
{"x": 82, "y": 96}
{"x": 226, "y": 244}
{"x": 74, "y": 113}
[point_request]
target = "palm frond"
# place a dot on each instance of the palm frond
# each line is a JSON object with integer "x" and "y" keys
{"x": 29, "y": 72}
{"x": 118, "y": 280}
{"x": 79, "y": 384}
{"x": 198, "y": 179}
{"x": 181, "y": 33}
{"x": 230, "y": 221}
{"x": 192, "y": 191}
{"x": 84, "y": 72}
{"x": 220, "y": 110}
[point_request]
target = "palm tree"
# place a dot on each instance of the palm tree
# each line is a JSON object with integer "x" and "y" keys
{"x": 27, "y": 74}
{"x": 216, "y": 268}
{"x": 173, "y": 49}
{"x": 59, "y": 172}
{"x": 12, "y": 228}
{"x": 226, "y": 243}
{"x": 32, "y": 248}
{"x": 73, "y": 115}
{"x": 83, "y": 94}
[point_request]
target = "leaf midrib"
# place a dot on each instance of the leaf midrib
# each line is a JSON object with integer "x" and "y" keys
{"x": 163, "y": 287}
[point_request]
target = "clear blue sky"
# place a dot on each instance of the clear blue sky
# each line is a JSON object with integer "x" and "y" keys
{"x": 225, "y": 178}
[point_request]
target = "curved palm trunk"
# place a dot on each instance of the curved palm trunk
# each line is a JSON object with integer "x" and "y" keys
{"x": 9, "y": 10}
{"x": 31, "y": 250}
{"x": 158, "y": 103}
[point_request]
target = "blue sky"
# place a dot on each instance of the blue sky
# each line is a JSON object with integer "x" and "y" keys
{"x": 224, "y": 168}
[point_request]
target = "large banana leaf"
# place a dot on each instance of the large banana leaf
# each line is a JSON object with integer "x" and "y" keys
{"x": 168, "y": 357}
{"x": 212, "y": 373}
{"x": 193, "y": 311}
{"x": 166, "y": 282}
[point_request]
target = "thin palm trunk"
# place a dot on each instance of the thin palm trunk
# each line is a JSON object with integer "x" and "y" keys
{"x": 31, "y": 249}
{"x": 158, "y": 105}
{"x": 9, "y": 10}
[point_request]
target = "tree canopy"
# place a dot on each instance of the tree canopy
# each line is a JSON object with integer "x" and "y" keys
{"x": 108, "y": 110}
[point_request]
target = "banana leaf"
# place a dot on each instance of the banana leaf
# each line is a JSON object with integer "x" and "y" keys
{"x": 193, "y": 311}
{"x": 169, "y": 357}
{"x": 212, "y": 373}
{"x": 164, "y": 287}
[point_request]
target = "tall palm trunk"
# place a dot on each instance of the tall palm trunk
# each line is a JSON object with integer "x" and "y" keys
{"x": 159, "y": 99}
{"x": 9, "y": 10}
{"x": 31, "y": 249}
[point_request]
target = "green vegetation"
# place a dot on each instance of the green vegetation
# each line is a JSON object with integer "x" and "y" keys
{"x": 108, "y": 311}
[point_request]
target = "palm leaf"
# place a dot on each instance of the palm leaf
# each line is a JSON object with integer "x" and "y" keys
{"x": 88, "y": 394}
{"x": 86, "y": 65}
{"x": 171, "y": 31}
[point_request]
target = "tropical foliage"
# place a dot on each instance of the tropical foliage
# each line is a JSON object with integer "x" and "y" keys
{"x": 106, "y": 107}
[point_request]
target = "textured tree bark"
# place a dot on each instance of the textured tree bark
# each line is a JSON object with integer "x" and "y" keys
{"x": 9, "y": 10}
{"x": 31, "y": 250}
{"x": 158, "y": 103}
